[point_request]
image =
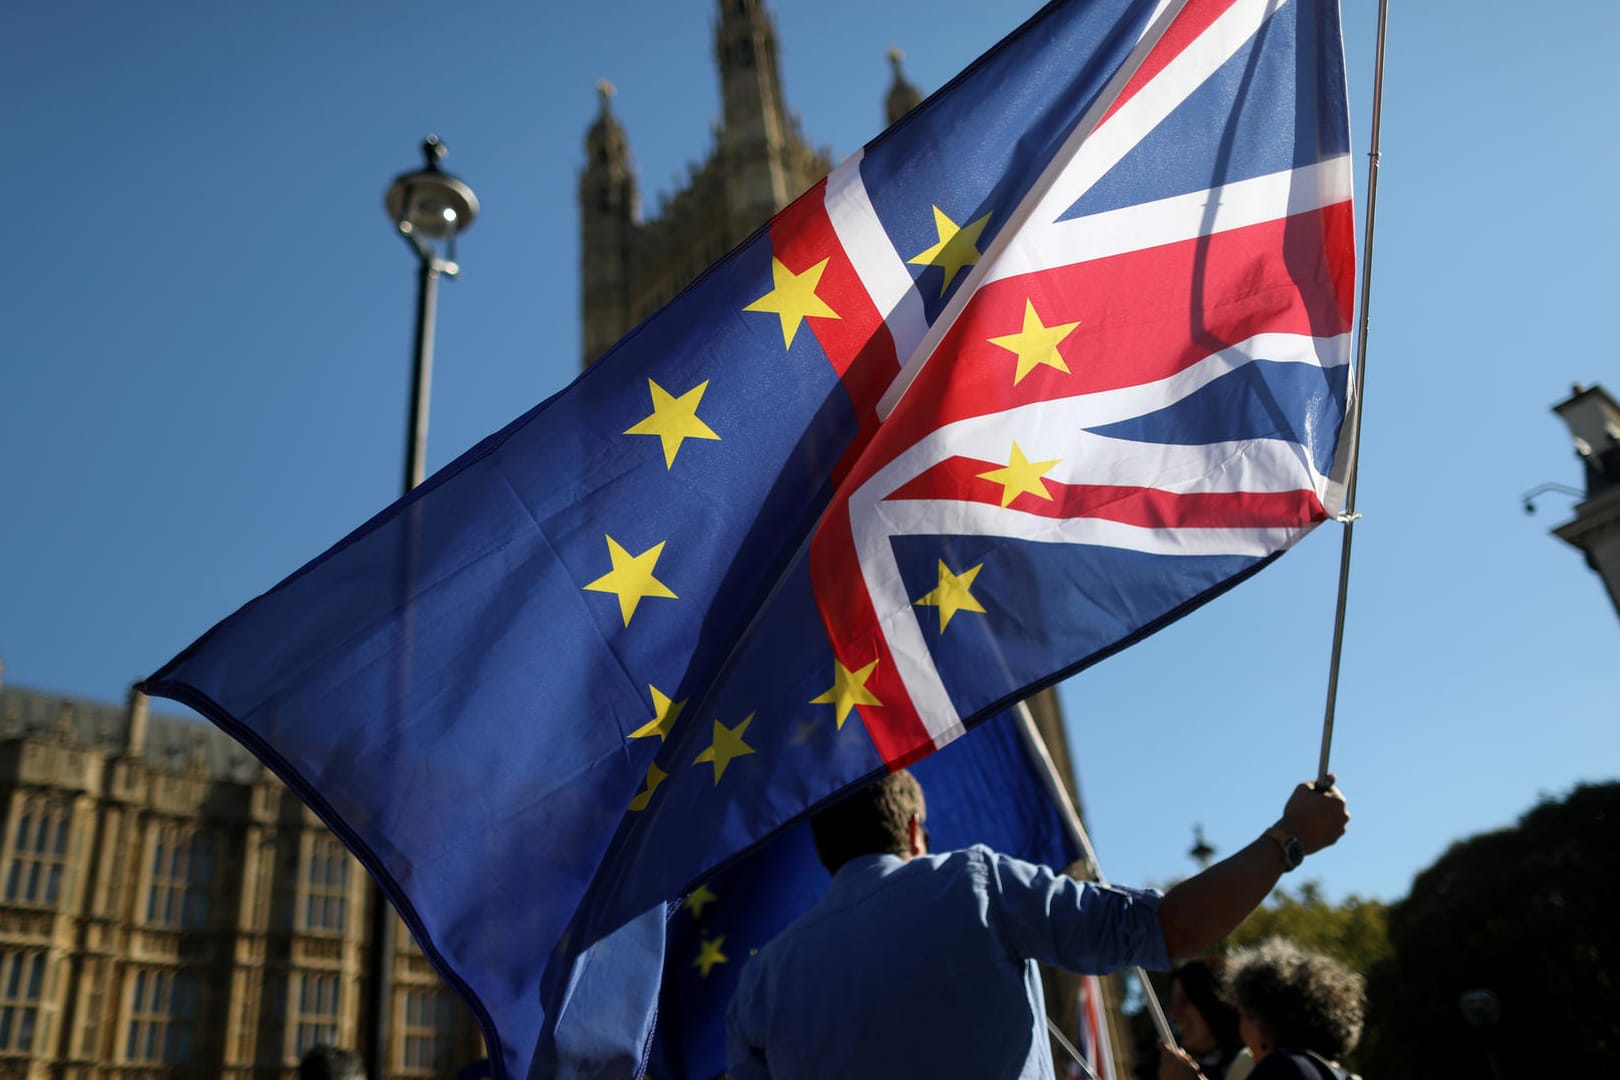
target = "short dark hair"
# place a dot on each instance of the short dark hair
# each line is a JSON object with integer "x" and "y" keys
{"x": 330, "y": 1063}
{"x": 875, "y": 820}
{"x": 1202, "y": 982}
{"x": 1304, "y": 1000}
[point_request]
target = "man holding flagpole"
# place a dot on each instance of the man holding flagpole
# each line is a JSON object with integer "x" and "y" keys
{"x": 920, "y": 964}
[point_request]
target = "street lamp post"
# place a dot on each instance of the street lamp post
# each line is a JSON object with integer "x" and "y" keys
{"x": 430, "y": 208}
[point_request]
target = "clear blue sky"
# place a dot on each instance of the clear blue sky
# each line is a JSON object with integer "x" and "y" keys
{"x": 205, "y": 357}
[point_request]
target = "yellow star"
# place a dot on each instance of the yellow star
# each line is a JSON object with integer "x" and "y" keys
{"x": 957, "y": 249}
{"x": 655, "y": 776}
{"x": 953, "y": 594}
{"x": 794, "y": 297}
{"x": 664, "y": 713}
{"x": 632, "y": 577}
{"x": 848, "y": 690}
{"x": 709, "y": 954}
{"x": 1021, "y": 476}
{"x": 728, "y": 743}
{"x": 674, "y": 419}
{"x": 1035, "y": 344}
{"x": 698, "y": 899}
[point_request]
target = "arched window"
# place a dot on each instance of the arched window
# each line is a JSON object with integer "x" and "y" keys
{"x": 182, "y": 878}
{"x": 162, "y": 1017}
{"x": 317, "y": 1012}
{"x": 22, "y": 983}
{"x": 424, "y": 1046}
{"x": 326, "y": 886}
{"x": 39, "y": 846}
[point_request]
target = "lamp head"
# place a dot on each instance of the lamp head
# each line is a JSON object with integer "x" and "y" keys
{"x": 431, "y": 206}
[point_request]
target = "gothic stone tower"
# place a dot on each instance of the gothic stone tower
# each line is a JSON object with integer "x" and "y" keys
{"x": 758, "y": 163}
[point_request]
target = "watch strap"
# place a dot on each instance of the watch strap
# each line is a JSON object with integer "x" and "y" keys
{"x": 1293, "y": 852}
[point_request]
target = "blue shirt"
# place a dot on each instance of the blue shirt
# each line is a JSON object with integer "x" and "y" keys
{"x": 926, "y": 967}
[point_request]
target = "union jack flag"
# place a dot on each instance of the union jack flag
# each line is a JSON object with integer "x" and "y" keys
{"x": 1134, "y": 391}
{"x": 1059, "y": 357}
{"x": 1097, "y": 382}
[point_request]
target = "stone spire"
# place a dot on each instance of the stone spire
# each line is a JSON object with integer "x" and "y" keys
{"x": 609, "y": 212}
{"x": 903, "y": 97}
{"x": 754, "y": 125}
{"x": 607, "y": 148}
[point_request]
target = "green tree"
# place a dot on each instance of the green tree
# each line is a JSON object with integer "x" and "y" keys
{"x": 1525, "y": 914}
{"x": 1355, "y": 933}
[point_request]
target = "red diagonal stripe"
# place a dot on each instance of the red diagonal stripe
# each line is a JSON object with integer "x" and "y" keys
{"x": 857, "y": 343}
{"x": 859, "y": 347}
{"x": 896, "y": 731}
{"x": 1194, "y": 19}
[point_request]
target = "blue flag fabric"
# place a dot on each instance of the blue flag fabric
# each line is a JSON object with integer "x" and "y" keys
{"x": 983, "y": 789}
{"x": 1058, "y": 358}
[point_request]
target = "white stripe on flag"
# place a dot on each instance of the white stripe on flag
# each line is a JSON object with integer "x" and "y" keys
{"x": 883, "y": 275}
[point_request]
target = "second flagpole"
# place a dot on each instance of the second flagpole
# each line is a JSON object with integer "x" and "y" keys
{"x": 1348, "y": 516}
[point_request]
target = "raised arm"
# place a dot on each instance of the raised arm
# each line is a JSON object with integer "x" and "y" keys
{"x": 1206, "y": 907}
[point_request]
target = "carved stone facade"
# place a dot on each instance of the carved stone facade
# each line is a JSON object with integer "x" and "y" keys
{"x": 168, "y": 908}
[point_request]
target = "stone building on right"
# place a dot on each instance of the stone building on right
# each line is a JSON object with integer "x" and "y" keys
{"x": 1593, "y": 418}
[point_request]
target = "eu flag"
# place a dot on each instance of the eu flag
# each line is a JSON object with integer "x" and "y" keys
{"x": 1059, "y": 357}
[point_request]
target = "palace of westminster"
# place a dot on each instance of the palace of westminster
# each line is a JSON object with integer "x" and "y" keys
{"x": 167, "y": 906}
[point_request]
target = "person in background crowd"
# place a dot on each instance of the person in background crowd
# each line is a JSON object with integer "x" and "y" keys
{"x": 1298, "y": 1012}
{"x": 1206, "y": 1024}
{"x": 329, "y": 1063}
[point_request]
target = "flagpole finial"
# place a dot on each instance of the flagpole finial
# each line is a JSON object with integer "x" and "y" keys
{"x": 433, "y": 152}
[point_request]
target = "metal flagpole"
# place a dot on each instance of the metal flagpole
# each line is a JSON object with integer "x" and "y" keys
{"x": 1349, "y": 515}
{"x": 1063, "y": 1041}
{"x": 1077, "y": 832}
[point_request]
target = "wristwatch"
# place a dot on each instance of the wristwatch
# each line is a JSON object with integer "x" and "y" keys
{"x": 1293, "y": 852}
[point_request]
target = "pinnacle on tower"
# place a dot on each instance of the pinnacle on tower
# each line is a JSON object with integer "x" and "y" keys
{"x": 609, "y": 212}
{"x": 903, "y": 96}
{"x": 754, "y": 124}
{"x": 606, "y": 145}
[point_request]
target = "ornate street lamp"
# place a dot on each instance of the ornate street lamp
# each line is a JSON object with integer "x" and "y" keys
{"x": 430, "y": 208}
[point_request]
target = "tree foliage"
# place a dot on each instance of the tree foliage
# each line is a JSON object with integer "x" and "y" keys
{"x": 1525, "y": 914}
{"x": 1354, "y": 933}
